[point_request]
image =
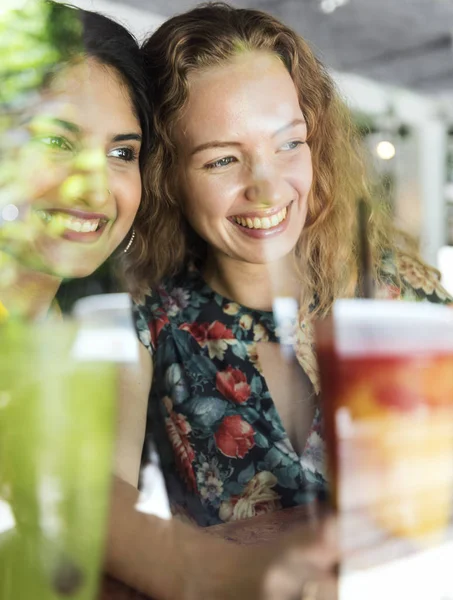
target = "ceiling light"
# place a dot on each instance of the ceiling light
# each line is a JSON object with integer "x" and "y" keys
{"x": 386, "y": 150}
{"x": 328, "y": 6}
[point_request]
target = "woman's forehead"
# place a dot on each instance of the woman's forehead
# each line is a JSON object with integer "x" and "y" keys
{"x": 255, "y": 87}
{"x": 255, "y": 62}
{"x": 89, "y": 92}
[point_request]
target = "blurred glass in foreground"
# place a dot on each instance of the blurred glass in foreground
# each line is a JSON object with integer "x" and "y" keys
{"x": 387, "y": 381}
{"x": 56, "y": 441}
{"x": 57, "y": 427}
{"x": 58, "y": 379}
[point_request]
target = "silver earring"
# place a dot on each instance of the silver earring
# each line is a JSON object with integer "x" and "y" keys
{"x": 130, "y": 242}
{"x": 109, "y": 193}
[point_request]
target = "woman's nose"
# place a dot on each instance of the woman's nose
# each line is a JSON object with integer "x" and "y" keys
{"x": 88, "y": 182}
{"x": 266, "y": 187}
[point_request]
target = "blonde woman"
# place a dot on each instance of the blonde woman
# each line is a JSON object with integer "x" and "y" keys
{"x": 255, "y": 173}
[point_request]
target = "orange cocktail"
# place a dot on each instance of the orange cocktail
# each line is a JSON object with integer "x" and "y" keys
{"x": 387, "y": 378}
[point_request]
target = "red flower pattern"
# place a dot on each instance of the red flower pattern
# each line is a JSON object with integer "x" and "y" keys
{"x": 178, "y": 430}
{"x": 232, "y": 383}
{"x": 210, "y": 455}
{"x": 204, "y": 332}
{"x": 155, "y": 327}
{"x": 213, "y": 336}
{"x": 234, "y": 437}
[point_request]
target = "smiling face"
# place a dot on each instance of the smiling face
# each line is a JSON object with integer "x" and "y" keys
{"x": 245, "y": 168}
{"x": 80, "y": 169}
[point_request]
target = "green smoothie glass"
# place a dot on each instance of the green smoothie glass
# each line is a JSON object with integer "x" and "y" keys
{"x": 58, "y": 384}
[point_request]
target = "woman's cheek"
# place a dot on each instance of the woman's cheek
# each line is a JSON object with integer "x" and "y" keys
{"x": 44, "y": 175}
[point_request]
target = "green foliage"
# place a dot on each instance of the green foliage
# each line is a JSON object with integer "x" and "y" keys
{"x": 34, "y": 38}
{"x": 37, "y": 37}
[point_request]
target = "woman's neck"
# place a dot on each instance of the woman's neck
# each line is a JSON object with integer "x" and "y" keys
{"x": 31, "y": 294}
{"x": 252, "y": 285}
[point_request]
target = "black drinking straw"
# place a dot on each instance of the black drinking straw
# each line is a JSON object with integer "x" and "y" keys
{"x": 366, "y": 282}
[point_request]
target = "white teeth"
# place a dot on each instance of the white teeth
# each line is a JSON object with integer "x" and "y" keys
{"x": 80, "y": 225}
{"x": 87, "y": 227}
{"x": 263, "y": 223}
{"x": 69, "y": 222}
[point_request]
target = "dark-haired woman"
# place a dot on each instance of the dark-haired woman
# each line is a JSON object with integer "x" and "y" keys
{"x": 74, "y": 156}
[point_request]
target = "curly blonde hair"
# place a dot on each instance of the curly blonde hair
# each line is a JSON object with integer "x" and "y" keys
{"x": 326, "y": 252}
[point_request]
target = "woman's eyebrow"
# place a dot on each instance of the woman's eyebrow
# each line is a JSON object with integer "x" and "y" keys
{"x": 126, "y": 137}
{"x": 72, "y": 127}
{"x": 226, "y": 144}
{"x": 293, "y": 123}
{"x": 48, "y": 120}
{"x": 213, "y": 144}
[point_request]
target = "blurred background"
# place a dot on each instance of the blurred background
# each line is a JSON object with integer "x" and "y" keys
{"x": 393, "y": 62}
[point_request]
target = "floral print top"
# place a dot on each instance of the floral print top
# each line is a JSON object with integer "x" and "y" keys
{"x": 224, "y": 452}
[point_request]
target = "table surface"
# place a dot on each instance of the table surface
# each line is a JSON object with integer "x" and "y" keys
{"x": 249, "y": 531}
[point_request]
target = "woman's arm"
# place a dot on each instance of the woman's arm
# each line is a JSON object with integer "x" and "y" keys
{"x": 161, "y": 558}
{"x": 169, "y": 560}
{"x": 134, "y": 385}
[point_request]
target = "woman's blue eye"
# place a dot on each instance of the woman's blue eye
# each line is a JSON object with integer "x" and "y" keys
{"x": 292, "y": 145}
{"x": 222, "y": 162}
{"x": 125, "y": 154}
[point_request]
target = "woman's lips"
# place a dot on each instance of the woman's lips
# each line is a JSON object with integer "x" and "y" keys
{"x": 84, "y": 237}
{"x": 74, "y": 225}
{"x": 263, "y": 230}
{"x": 76, "y": 213}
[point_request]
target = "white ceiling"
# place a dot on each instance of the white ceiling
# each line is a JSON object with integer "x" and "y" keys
{"x": 403, "y": 42}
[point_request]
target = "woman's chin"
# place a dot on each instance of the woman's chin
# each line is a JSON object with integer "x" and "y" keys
{"x": 65, "y": 270}
{"x": 266, "y": 253}
{"x": 68, "y": 262}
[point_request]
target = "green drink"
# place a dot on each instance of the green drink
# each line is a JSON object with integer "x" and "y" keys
{"x": 57, "y": 417}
